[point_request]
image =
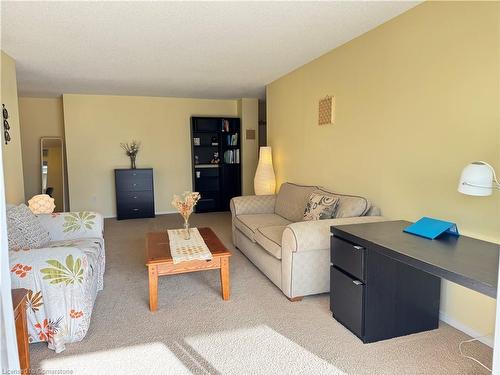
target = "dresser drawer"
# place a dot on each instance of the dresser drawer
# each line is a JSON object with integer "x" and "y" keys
{"x": 348, "y": 257}
{"x": 134, "y": 198}
{"x": 347, "y": 301}
{"x": 134, "y": 180}
{"x": 132, "y": 212}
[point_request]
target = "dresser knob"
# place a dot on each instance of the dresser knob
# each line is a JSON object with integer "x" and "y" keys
{"x": 135, "y": 209}
{"x": 135, "y": 197}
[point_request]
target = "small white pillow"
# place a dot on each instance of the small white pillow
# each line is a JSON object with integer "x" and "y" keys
{"x": 320, "y": 206}
{"x": 24, "y": 229}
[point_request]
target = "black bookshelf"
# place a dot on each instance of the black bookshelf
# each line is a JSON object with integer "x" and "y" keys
{"x": 216, "y": 182}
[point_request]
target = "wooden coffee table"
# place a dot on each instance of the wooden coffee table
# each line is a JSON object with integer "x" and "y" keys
{"x": 159, "y": 262}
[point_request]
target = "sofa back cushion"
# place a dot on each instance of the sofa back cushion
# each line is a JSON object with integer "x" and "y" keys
{"x": 292, "y": 199}
{"x": 24, "y": 229}
{"x": 349, "y": 205}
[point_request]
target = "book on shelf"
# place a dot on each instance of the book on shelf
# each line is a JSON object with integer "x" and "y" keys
{"x": 232, "y": 139}
{"x": 225, "y": 126}
{"x": 232, "y": 156}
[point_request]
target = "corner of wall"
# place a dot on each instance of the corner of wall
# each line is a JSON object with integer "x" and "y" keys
{"x": 12, "y": 155}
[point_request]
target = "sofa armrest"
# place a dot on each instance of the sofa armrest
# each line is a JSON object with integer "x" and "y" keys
{"x": 253, "y": 204}
{"x": 72, "y": 225}
{"x": 315, "y": 234}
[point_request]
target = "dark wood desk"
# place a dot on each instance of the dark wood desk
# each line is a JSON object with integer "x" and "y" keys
{"x": 387, "y": 266}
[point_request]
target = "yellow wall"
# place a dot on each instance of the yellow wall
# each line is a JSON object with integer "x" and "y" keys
{"x": 12, "y": 158}
{"x": 417, "y": 99}
{"x": 39, "y": 117}
{"x": 95, "y": 125}
{"x": 248, "y": 111}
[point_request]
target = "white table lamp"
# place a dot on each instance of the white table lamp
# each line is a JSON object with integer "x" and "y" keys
{"x": 478, "y": 178}
{"x": 264, "y": 182}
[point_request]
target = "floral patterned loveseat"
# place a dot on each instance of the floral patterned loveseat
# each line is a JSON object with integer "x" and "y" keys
{"x": 62, "y": 278}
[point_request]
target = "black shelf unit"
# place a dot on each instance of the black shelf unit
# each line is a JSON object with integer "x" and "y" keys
{"x": 217, "y": 183}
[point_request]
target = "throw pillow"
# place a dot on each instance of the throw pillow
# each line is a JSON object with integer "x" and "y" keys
{"x": 24, "y": 229}
{"x": 320, "y": 206}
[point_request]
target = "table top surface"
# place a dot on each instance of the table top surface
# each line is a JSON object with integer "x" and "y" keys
{"x": 464, "y": 260}
{"x": 158, "y": 247}
{"x": 18, "y": 295}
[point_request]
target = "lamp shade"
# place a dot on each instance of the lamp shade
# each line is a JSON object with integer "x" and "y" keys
{"x": 42, "y": 204}
{"x": 476, "y": 179}
{"x": 265, "y": 181}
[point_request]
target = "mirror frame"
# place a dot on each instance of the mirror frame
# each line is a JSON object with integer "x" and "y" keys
{"x": 63, "y": 168}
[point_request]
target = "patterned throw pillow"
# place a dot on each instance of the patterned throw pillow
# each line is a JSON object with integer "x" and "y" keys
{"x": 320, "y": 206}
{"x": 24, "y": 229}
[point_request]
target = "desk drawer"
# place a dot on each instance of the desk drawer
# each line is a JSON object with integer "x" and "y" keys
{"x": 346, "y": 301}
{"x": 348, "y": 257}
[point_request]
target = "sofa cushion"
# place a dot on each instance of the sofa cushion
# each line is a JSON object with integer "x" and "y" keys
{"x": 248, "y": 224}
{"x": 24, "y": 229}
{"x": 349, "y": 205}
{"x": 320, "y": 206}
{"x": 291, "y": 201}
{"x": 270, "y": 239}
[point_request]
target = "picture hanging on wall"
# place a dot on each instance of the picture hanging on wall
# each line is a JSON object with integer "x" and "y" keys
{"x": 326, "y": 112}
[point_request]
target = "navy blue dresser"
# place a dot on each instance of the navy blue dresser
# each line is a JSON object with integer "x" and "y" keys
{"x": 134, "y": 193}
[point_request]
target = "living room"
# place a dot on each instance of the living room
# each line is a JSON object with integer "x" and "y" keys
{"x": 370, "y": 111}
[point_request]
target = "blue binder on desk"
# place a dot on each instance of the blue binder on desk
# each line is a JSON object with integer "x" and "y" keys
{"x": 431, "y": 228}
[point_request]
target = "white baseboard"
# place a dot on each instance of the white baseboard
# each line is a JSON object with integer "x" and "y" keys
{"x": 488, "y": 340}
{"x": 166, "y": 212}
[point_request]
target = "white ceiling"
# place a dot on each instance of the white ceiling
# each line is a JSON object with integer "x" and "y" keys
{"x": 182, "y": 49}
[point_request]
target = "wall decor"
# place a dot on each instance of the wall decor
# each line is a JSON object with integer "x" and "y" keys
{"x": 6, "y": 126}
{"x": 250, "y": 134}
{"x": 131, "y": 149}
{"x": 326, "y": 112}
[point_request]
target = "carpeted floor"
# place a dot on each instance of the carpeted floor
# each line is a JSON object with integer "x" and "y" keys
{"x": 257, "y": 332}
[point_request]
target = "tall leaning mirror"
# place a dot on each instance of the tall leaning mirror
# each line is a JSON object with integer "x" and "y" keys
{"x": 52, "y": 169}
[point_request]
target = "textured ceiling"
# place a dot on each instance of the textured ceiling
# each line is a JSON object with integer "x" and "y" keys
{"x": 183, "y": 49}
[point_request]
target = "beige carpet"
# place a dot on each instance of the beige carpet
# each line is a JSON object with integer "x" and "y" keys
{"x": 257, "y": 332}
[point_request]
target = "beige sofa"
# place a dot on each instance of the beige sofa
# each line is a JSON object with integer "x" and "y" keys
{"x": 293, "y": 254}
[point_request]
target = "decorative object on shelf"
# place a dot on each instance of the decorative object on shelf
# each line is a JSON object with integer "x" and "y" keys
{"x": 430, "y": 228}
{"x": 264, "y": 182}
{"x": 131, "y": 149}
{"x": 225, "y": 126}
{"x": 214, "y": 141}
{"x": 215, "y": 159}
{"x": 196, "y": 141}
{"x": 41, "y": 204}
{"x": 196, "y": 159}
{"x": 184, "y": 204}
{"x": 198, "y": 174}
{"x": 6, "y": 126}
{"x": 326, "y": 113}
{"x": 478, "y": 178}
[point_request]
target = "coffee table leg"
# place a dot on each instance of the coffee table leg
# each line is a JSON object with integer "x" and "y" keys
{"x": 153, "y": 287}
{"x": 224, "y": 278}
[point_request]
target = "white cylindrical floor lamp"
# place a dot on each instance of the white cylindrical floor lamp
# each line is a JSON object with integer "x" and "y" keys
{"x": 264, "y": 182}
